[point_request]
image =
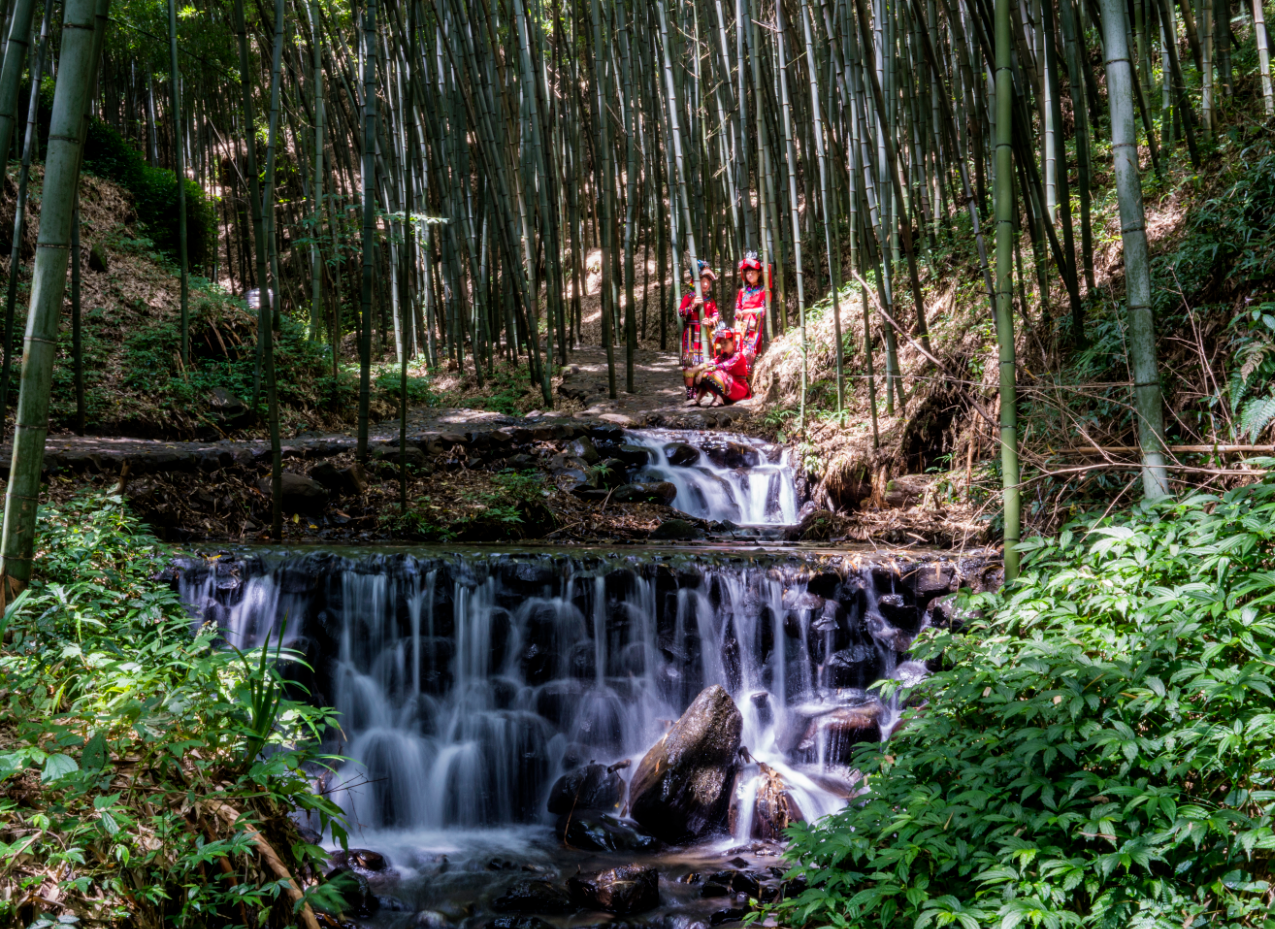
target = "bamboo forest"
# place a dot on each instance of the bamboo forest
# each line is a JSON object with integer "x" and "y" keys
{"x": 637, "y": 464}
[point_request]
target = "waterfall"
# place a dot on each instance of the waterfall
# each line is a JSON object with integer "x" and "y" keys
{"x": 722, "y": 476}
{"x": 467, "y": 682}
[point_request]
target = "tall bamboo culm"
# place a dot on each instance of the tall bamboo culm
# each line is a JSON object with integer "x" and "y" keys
{"x": 1004, "y": 203}
{"x": 1133, "y": 234}
{"x": 83, "y": 22}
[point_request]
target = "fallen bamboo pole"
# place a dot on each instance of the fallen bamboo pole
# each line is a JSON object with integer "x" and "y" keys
{"x": 1175, "y": 449}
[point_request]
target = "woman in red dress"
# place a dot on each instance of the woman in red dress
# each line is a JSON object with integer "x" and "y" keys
{"x": 725, "y": 378}
{"x": 750, "y": 307}
{"x": 693, "y": 353}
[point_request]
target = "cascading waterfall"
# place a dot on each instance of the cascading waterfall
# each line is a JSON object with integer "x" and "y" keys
{"x": 722, "y": 476}
{"x": 467, "y": 682}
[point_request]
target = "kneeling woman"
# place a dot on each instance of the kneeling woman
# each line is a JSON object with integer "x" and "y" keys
{"x": 693, "y": 353}
{"x": 725, "y": 378}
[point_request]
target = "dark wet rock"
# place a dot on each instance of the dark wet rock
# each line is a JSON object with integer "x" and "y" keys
{"x": 691, "y": 877}
{"x": 583, "y": 448}
{"x": 360, "y": 901}
{"x": 392, "y": 453}
{"x": 725, "y": 883}
{"x": 946, "y": 613}
{"x": 855, "y": 666}
{"x": 576, "y": 755}
{"x": 340, "y": 481}
{"x": 775, "y": 809}
{"x": 732, "y": 455}
{"x": 610, "y": 472}
{"x": 533, "y": 897}
{"x": 605, "y": 432}
{"x": 225, "y": 406}
{"x": 723, "y": 525}
{"x": 387, "y": 904}
{"x": 728, "y": 915}
{"x": 603, "y": 834}
{"x": 328, "y": 921}
{"x": 501, "y": 864}
{"x": 824, "y": 585}
{"x": 521, "y": 462}
{"x": 635, "y": 456}
{"x": 559, "y": 701}
{"x": 98, "y": 260}
{"x": 301, "y": 494}
{"x": 590, "y": 788}
{"x": 898, "y": 612}
{"x": 586, "y": 491}
{"x": 361, "y": 858}
{"x": 677, "y": 530}
{"x": 623, "y": 891}
{"x": 680, "y": 454}
{"x": 682, "y": 788}
{"x": 518, "y": 922}
{"x": 930, "y": 580}
{"x": 657, "y": 492}
{"x": 835, "y": 731}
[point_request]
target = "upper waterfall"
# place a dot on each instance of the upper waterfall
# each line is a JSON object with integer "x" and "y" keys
{"x": 722, "y": 476}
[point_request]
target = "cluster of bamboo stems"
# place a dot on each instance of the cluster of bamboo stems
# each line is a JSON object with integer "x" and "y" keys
{"x": 469, "y": 154}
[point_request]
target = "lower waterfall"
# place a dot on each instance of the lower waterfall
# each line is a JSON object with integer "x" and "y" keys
{"x": 468, "y": 681}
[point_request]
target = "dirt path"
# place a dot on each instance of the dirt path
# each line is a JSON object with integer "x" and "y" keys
{"x": 658, "y": 400}
{"x": 657, "y": 384}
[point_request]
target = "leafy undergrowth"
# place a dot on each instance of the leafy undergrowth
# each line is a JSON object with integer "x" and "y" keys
{"x": 146, "y": 775}
{"x": 1099, "y": 750}
{"x": 134, "y": 379}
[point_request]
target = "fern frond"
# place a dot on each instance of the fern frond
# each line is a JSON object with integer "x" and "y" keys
{"x": 1258, "y": 414}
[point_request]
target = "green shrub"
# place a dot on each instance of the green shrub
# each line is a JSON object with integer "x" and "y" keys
{"x": 301, "y": 366}
{"x": 154, "y": 190}
{"x": 1098, "y": 752}
{"x": 127, "y": 739}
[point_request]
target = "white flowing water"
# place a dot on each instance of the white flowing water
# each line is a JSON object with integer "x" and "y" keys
{"x": 467, "y": 683}
{"x": 722, "y": 476}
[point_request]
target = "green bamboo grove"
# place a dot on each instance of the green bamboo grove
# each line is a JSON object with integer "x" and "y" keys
{"x": 431, "y": 176}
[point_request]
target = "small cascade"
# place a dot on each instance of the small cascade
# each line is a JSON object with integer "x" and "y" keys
{"x": 722, "y": 476}
{"x": 467, "y": 682}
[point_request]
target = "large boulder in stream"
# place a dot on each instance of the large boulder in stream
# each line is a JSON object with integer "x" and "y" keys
{"x": 682, "y": 788}
{"x": 623, "y": 891}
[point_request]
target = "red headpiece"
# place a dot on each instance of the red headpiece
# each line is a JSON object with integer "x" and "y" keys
{"x": 750, "y": 261}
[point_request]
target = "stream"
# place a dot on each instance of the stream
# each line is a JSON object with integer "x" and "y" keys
{"x": 472, "y": 681}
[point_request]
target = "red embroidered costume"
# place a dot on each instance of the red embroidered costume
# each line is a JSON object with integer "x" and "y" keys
{"x": 750, "y": 310}
{"x": 692, "y": 349}
{"x": 727, "y": 374}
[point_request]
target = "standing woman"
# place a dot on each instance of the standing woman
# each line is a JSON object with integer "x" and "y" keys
{"x": 693, "y": 353}
{"x": 750, "y": 307}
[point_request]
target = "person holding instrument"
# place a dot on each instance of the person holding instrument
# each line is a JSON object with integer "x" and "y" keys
{"x": 750, "y": 307}
{"x": 693, "y": 305}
